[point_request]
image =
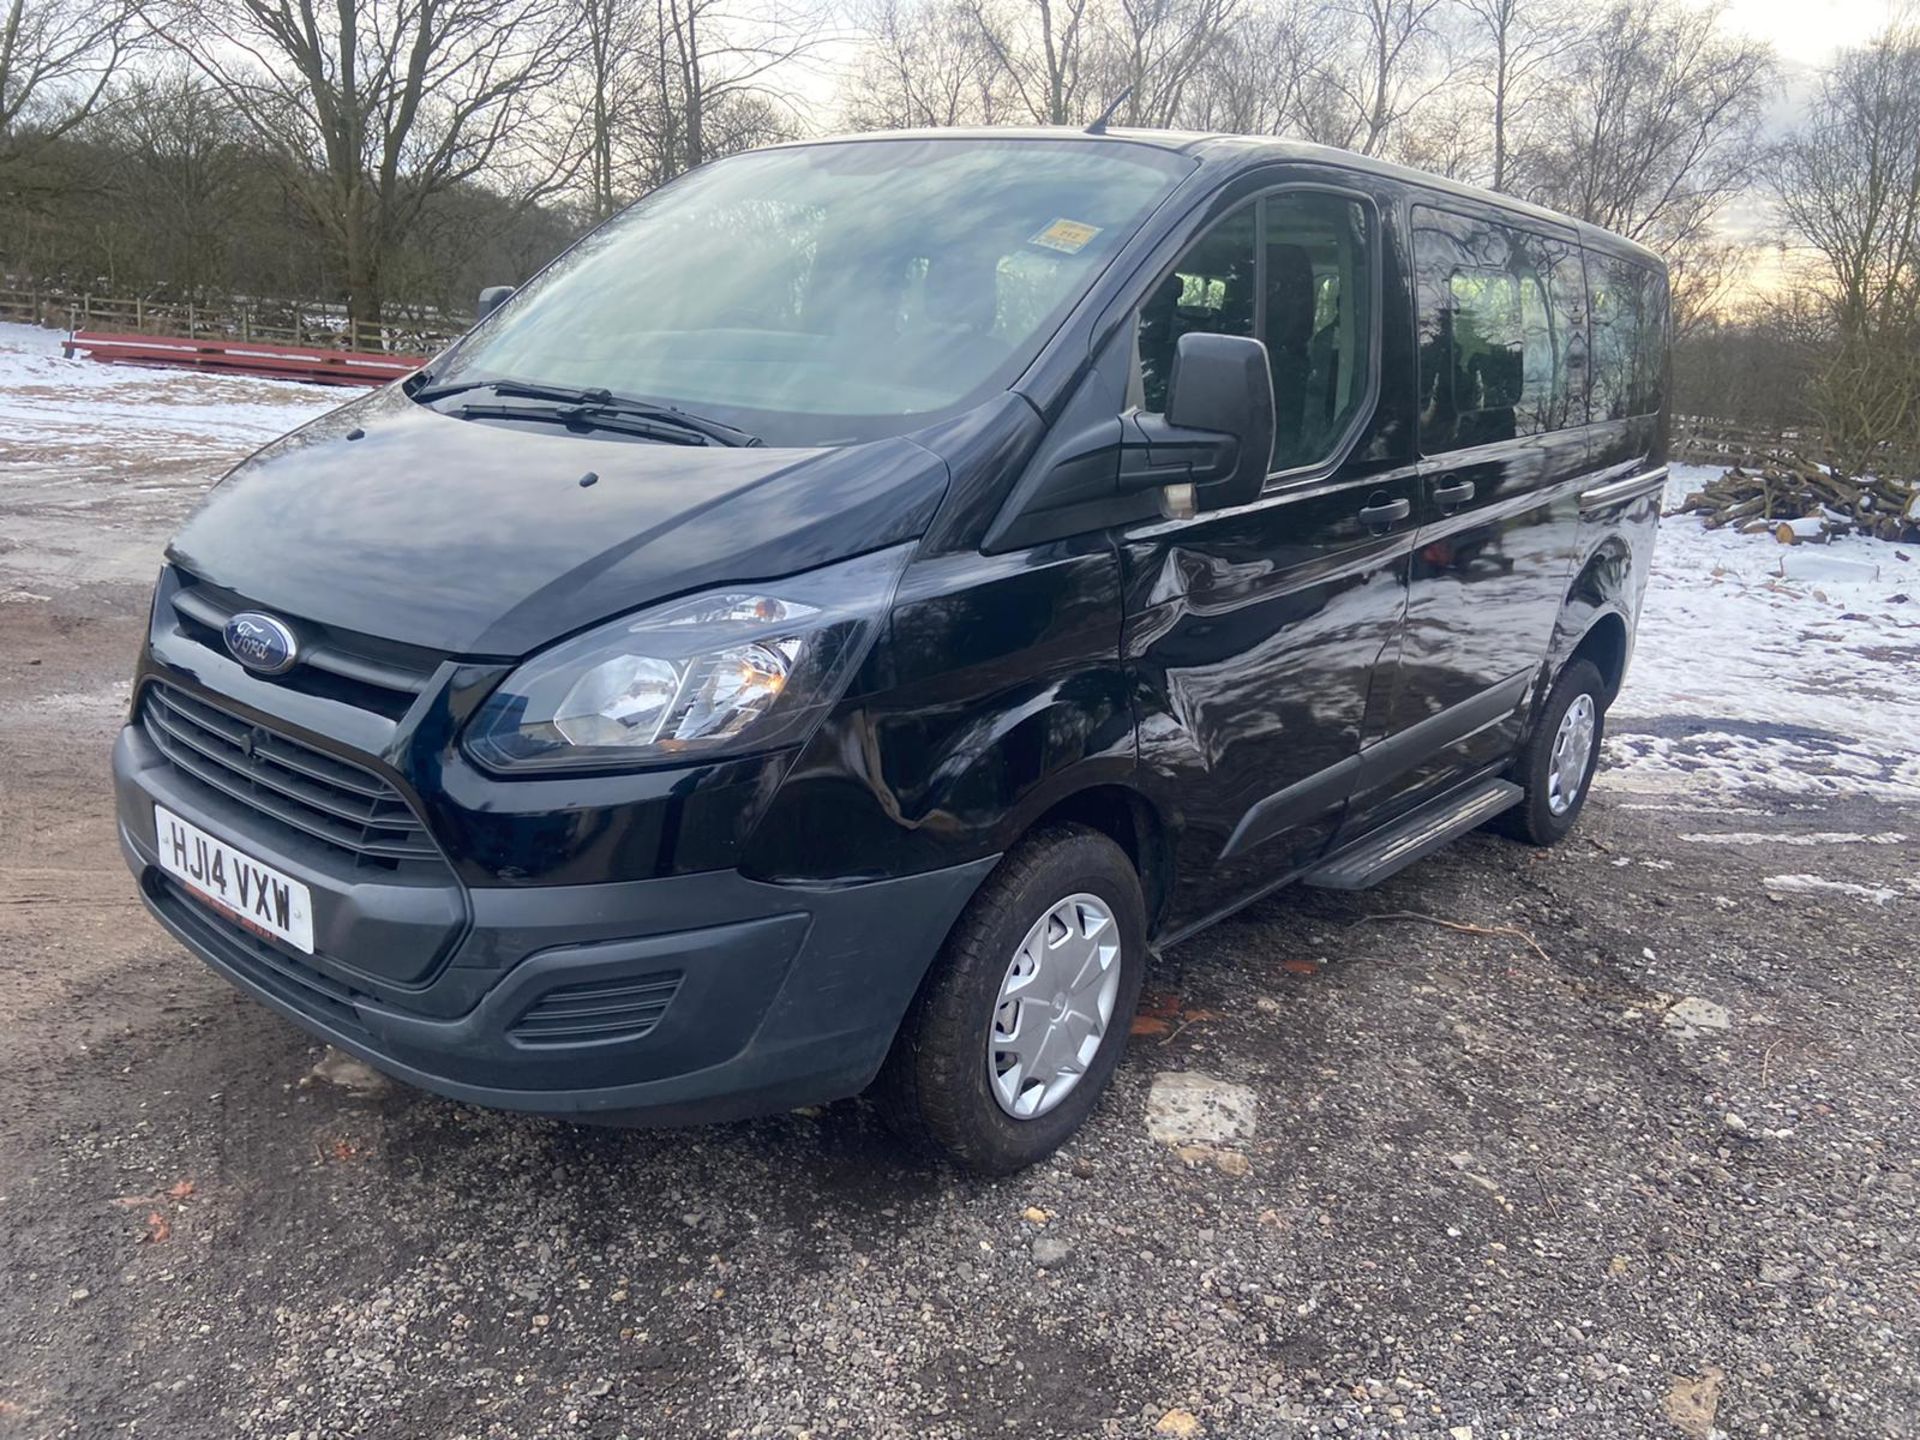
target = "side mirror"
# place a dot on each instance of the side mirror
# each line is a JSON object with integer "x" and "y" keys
{"x": 491, "y": 299}
{"x": 1217, "y": 433}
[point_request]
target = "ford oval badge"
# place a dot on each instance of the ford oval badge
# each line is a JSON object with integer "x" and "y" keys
{"x": 261, "y": 643}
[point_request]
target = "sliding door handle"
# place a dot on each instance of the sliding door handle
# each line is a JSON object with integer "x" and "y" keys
{"x": 1381, "y": 512}
{"x": 1459, "y": 492}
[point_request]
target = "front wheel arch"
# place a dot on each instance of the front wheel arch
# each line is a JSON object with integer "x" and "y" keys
{"x": 935, "y": 1089}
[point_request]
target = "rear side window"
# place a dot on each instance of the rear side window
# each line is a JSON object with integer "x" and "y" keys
{"x": 1499, "y": 316}
{"x": 1629, "y": 347}
{"x": 1294, "y": 270}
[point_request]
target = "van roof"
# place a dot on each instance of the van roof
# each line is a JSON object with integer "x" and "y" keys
{"x": 1228, "y": 150}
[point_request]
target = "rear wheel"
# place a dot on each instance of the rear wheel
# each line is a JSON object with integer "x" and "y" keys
{"x": 1022, "y": 1021}
{"x": 1556, "y": 768}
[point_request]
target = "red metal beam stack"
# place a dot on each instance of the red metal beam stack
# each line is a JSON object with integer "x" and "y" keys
{"x": 245, "y": 357}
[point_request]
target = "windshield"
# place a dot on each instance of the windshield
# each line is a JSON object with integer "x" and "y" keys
{"x": 826, "y": 293}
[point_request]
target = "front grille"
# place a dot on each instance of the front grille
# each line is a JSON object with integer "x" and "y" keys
{"x": 623, "y": 1008}
{"x": 294, "y": 785}
{"x": 382, "y": 676}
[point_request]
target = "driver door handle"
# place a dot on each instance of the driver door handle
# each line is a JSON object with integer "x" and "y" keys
{"x": 1458, "y": 493}
{"x": 1382, "y": 513}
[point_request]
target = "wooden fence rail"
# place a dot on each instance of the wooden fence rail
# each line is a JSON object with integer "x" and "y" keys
{"x": 285, "y": 324}
{"x": 1702, "y": 440}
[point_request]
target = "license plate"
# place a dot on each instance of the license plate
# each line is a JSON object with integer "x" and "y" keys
{"x": 256, "y": 895}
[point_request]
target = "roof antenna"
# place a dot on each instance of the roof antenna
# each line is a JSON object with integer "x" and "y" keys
{"x": 1099, "y": 127}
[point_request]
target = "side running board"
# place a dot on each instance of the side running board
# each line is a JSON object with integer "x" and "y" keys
{"x": 1414, "y": 837}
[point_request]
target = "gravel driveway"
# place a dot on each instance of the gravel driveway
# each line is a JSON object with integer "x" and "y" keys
{"x": 1617, "y": 1140}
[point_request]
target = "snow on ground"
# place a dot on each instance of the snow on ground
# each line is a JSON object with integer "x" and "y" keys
{"x": 1747, "y": 688}
{"x": 99, "y": 463}
{"x": 1815, "y": 885}
{"x": 71, "y": 409}
{"x": 1743, "y": 680}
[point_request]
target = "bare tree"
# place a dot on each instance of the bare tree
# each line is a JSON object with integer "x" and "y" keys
{"x": 1849, "y": 181}
{"x": 1849, "y": 189}
{"x": 1044, "y": 48}
{"x": 1655, "y": 123}
{"x": 1160, "y": 44}
{"x": 719, "y": 77}
{"x": 1449, "y": 137}
{"x": 929, "y": 65}
{"x": 1753, "y": 362}
{"x": 1264, "y": 77}
{"x": 1389, "y": 73}
{"x": 376, "y": 106}
{"x": 611, "y": 84}
{"x": 57, "y": 59}
{"x": 1523, "y": 40}
{"x": 179, "y": 163}
{"x": 1652, "y": 131}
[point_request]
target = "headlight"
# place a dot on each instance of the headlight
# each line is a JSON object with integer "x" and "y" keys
{"x": 750, "y": 667}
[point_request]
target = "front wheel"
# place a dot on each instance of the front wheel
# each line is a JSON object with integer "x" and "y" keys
{"x": 1556, "y": 768}
{"x": 1021, "y": 1022}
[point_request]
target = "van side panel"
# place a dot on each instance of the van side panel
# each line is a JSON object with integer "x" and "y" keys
{"x": 1504, "y": 456}
{"x": 1632, "y": 404}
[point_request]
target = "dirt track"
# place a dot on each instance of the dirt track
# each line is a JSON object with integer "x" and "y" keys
{"x": 1492, "y": 1186}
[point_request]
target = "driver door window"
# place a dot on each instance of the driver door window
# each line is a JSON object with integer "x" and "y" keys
{"x": 1317, "y": 321}
{"x": 1295, "y": 270}
{"x": 1211, "y": 290}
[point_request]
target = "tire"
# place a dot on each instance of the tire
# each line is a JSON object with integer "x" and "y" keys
{"x": 941, "y": 1088}
{"x": 1551, "y": 805}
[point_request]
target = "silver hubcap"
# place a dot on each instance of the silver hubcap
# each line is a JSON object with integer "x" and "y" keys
{"x": 1572, "y": 755}
{"x": 1054, "y": 1006}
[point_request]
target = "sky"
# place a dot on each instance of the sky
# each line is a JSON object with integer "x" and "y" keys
{"x": 1805, "y": 33}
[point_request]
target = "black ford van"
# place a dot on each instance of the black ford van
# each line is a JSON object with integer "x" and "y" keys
{"x": 831, "y": 625}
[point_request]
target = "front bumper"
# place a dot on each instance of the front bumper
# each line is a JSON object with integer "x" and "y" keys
{"x": 682, "y": 998}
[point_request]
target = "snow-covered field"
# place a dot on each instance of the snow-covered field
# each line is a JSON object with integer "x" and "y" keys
{"x": 98, "y": 463}
{"x": 72, "y": 410}
{"x": 1747, "y": 680}
{"x": 1746, "y": 686}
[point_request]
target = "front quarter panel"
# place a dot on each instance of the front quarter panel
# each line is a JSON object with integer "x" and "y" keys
{"x": 995, "y": 692}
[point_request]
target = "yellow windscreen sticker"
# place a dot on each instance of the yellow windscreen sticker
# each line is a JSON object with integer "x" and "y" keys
{"x": 1069, "y": 237}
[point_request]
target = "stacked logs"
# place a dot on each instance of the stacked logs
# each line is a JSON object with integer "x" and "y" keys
{"x": 1798, "y": 501}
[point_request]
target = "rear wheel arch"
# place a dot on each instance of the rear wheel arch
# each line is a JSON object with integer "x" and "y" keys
{"x": 1606, "y": 644}
{"x": 1595, "y": 621}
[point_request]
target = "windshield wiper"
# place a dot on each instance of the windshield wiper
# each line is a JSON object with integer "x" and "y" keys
{"x": 573, "y": 417}
{"x": 520, "y": 389}
{"x": 588, "y": 407}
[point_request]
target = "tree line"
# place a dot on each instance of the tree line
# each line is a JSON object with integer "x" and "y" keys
{"x": 396, "y": 154}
